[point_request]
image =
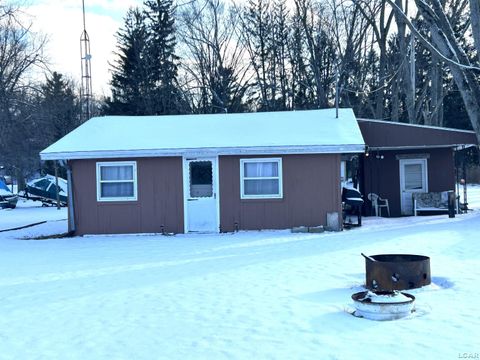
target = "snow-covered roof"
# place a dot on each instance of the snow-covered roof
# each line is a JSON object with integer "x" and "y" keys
{"x": 288, "y": 132}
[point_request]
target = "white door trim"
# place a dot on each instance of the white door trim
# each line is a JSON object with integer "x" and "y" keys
{"x": 186, "y": 189}
{"x": 185, "y": 177}
{"x": 216, "y": 188}
{"x": 402, "y": 163}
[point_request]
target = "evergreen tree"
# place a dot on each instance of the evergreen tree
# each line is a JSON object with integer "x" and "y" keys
{"x": 161, "y": 58}
{"x": 58, "y": 107}
{"x": 55, "y": 113}
{"x": 132, "y": 88}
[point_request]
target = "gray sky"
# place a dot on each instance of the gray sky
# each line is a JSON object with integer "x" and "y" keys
{"x": 61, "y": 21}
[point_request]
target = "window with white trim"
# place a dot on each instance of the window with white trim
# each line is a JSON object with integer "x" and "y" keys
{"x": 117, "y": 181}
{"x": 261, "y": 178}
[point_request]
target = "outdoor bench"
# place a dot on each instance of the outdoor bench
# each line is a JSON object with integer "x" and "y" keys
{"x": 430, "y": 202}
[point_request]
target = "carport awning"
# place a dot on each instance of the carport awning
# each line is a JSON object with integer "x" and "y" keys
{"x": 388, "y": 135}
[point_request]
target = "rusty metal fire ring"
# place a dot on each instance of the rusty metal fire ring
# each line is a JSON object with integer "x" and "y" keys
{"x": 387, "y": 272}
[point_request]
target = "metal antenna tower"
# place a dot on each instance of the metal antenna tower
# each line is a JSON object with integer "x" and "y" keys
{"x": 86, "y": 88}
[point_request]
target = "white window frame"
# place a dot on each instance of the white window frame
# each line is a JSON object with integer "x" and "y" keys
{"x": 414, "y": 161}
{"x": 279, "y": 178}
{"x": 404, "y": 209}
{"x": 134, "y": 180}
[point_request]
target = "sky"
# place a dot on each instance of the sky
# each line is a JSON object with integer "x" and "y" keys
{"x": 62, "y": 22}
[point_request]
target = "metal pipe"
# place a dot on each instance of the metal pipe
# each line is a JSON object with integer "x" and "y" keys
{"x": 368, "y": 257}
{"x": 71, "y": 211}
{"x": 465, "y": 200}
{"x": 337, "y": 90}
{"x": 83, "y": 11}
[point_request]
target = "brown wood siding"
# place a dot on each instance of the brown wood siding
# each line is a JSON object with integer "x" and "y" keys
{"x": 159, "y": 206}
{"x": 382, "y": 176}
{"x": 311, "y": 188}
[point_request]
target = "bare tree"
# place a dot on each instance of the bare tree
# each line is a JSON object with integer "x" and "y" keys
{"x": 475, "y": 21}
{"x": 446, "y": 46}
{"x": 407, "y": 73}
{"x": 350, "y": 31}
{"x": 256, "y": 35}
{"x": 317, "y": 30}
{"x": 214, "y": 61}
{"x": 280, "y": 55}
{"x": 20, "y": 52}
{"x": 380, "y": 18}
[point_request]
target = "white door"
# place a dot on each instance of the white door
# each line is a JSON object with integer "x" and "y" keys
{"x": 413, "y": 178}
{"x": 200, "y": 194}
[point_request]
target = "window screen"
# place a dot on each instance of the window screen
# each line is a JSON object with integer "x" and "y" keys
{"x": 201, "y": 179}
{"x": 413, "y": 177}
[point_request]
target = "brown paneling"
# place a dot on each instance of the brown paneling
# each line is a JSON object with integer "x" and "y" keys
{"x": 391, "y": 134}
{"x": 159, "y": 206}
{"x": 311, "y": 188}
{"x": 441, "y": 170}
{"x": 382, "y": 176}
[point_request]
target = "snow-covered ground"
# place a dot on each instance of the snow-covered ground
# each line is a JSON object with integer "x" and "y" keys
{"x": 29, "y": 212}
{"x": 250, "y": 295}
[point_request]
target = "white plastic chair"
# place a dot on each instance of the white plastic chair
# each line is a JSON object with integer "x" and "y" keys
{"x": 378, "y": 203}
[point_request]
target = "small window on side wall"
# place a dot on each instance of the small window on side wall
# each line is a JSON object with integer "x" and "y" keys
{"x": 117, "y": 181}
{"x": 261, "y": 178}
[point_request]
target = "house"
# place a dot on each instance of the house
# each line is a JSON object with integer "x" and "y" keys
{"x": 403, "y": 158}
{"x": 206, "y": 173}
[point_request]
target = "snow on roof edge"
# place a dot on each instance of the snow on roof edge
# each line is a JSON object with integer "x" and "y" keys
{"x": 315, "y": 149}
{"x": 173, "y": 135}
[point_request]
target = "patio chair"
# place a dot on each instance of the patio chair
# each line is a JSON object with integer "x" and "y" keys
{"x": 378, "y": 203}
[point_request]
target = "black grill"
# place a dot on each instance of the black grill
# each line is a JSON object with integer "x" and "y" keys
{"x": 352, "y": 201}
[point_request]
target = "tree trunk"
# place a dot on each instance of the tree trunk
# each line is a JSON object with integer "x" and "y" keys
{"x": 436, "y": 93}
{"x": 395, "y": 102}
{"x": 406, "y": 72}
{"x": 475, "y": 21}
{"x": 380, "y": 94}
{"x": 450, "y": 50}
{"x": 445, "y": 41}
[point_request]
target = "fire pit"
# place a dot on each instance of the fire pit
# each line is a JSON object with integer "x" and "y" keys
{"x": 383, "y": 305}
{"x": 387, "y": 272}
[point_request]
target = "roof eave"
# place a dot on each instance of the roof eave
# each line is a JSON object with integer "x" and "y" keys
{"x": 414, "y": 147}
{"x": 264, "y": 150}
{"x": 416, "y": 125}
